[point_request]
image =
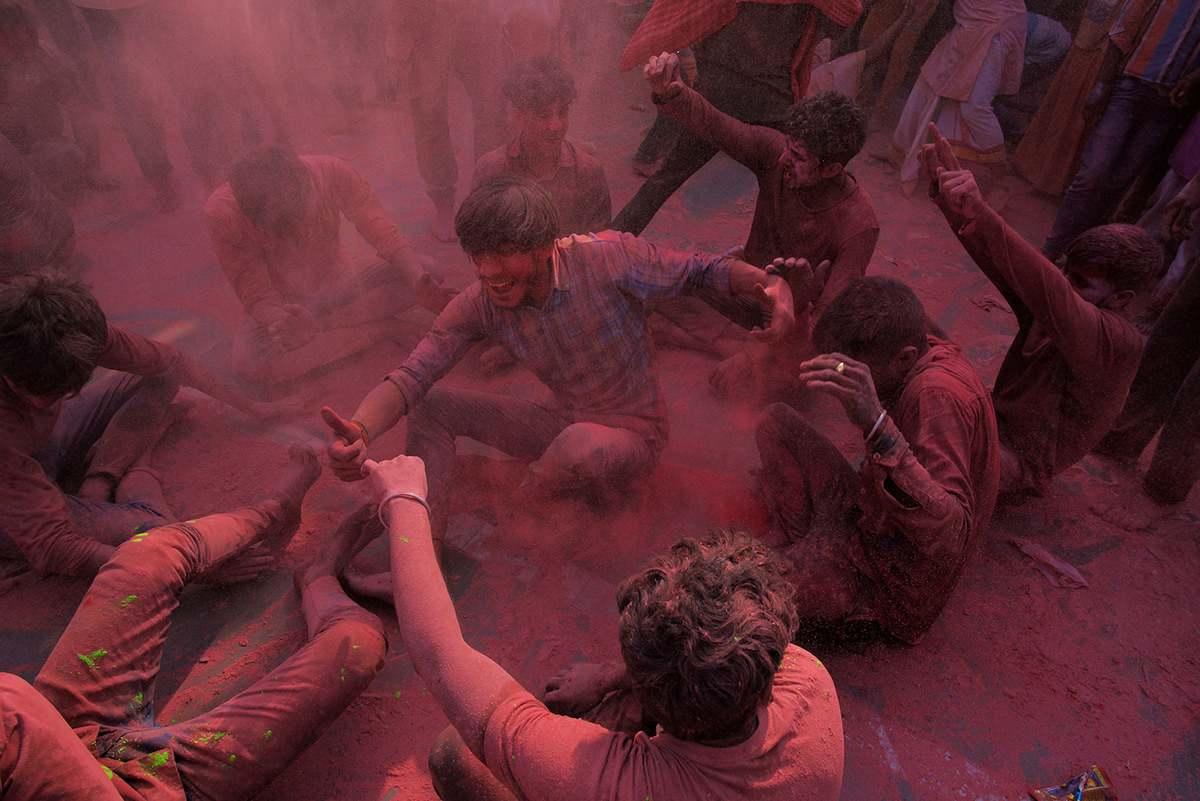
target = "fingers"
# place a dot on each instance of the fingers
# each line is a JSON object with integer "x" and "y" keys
{"x": 341, "y": 426}
{"x": 345, "y": 460}
{"x": 821, "y": 274}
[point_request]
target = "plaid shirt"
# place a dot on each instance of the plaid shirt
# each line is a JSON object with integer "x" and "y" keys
{"x": 1162, "y": 40}
{"x": 589, "y": 342}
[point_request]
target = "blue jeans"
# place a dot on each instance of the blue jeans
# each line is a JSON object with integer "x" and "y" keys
{"x": 1134, "y": 126}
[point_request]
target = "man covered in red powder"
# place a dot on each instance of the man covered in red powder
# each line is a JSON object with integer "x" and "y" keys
{"x": 72, "y": 482}
{"x": 887, "y": 543}
{"x": 809, "y": 207}
{"x": 275, "y": 227}
{"x": 573, "y": 311}
{"x": 705, "y": 635}
{"x": 1065, "y": 377}
{"x": 86, "y": 728}
{"x": 541, "y": 92}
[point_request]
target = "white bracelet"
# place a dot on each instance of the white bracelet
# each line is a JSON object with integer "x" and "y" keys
{"x": 412, "y": 496}
{"x": 875, "y": 427}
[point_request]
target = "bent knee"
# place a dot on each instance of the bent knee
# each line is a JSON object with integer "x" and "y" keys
{"x": 446, "y": 757}
{"x": 589, "y": 452}
{"x": 366, "y": 643}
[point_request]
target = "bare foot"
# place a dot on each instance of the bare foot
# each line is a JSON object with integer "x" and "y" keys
{"x": 332, "y": 555}
{"x": 1133, "y": 513}
{"x": 443, "y": 224}
{"x": 302, "y": 470}
{"x": 372, "y": 585}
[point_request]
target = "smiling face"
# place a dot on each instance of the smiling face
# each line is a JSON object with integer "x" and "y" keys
{"x": 513, "y": 278}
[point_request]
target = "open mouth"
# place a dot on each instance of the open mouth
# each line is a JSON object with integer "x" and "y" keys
{"x": 501, "y": 286}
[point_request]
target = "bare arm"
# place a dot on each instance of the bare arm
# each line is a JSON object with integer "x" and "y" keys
{"x": 381, "y": 409}
{"x": 771, "y": 290}
{"x": 466, "y": 684}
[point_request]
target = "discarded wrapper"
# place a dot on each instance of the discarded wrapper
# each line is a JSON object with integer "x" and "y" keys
{"x": 1091, "y": 786}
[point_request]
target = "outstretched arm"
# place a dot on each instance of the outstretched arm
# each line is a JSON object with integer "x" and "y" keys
{"x": 772, "y": 291}
{"x": 466, "y": 684}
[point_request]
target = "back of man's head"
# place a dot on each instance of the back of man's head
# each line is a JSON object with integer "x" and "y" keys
{"x": 52, "y": 333}
{"x": 830, "y": 125}
{"x": 872, "y": 316}
{"x": 1124, "y": 254}
{"x": 264, "y": 178}
{"x": 538, "y": 82}
{"x": 703, "y": 630}
{"x": 506, "y": 211}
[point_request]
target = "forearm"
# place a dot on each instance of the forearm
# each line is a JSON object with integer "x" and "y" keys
{"x": 465, "y": 683}
{"x": 743, "y": 277}
{"x": 381, "y": 409}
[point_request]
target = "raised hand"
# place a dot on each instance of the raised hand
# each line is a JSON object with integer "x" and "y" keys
{"x": 777, "y": 298}
{"x": 806, "y": 283}
{"x": 848, "y": 381}
{"x": 664, "y": 75}
{"x": 345, "y": 449}
{"x": 953, "y": 182}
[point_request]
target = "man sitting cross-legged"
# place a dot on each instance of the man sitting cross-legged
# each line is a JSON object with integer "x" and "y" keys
{"x": 275, "y": 229}
{"x": 86, "y": 728}
{"x": 573, "y": 311}
{"x": 72, "y": 480}
{"x": 886, "y": 543}
{"x": 705, "y": 636}
{"x": 1065, "y": 377}
{"x": 809, "y": 207}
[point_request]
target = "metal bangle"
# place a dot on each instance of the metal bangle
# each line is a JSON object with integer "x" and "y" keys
{"x": 412, "y": 496}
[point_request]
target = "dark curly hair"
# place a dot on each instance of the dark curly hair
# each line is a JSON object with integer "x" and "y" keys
{"x": 537, "y": 82}
{"x": 506, "y": 210}
{"x": 1126, "y": 253}
{"x": 703, "y": 630}
{"x": 268, "y": 176}
{"x": 872, "y": 315}
{"x": 52, "y": 333}
{"x": 830, "y": 125}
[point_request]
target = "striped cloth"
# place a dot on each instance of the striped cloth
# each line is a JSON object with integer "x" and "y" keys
{"x": 1162, "y": 39}
{"x": 676, "y": 24}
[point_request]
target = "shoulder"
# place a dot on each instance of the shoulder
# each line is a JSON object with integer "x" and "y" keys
{"x": 331, "y": 170}
{"x": 857, "y": 206}
{"x": 222, "y": 205}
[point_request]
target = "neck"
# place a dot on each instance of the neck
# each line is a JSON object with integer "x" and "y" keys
{"x": 740, "y": 736}
{"x": 826, "y": 190}
{"x": 540, "y": 157}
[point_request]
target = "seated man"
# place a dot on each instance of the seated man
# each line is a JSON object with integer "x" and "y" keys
{"x": 809, "y": 206}
{"x": 705, "y": 635}
{"x": 67, "y": 449}
{"x": 275, "y": 227}
{"x": 541, "y": 92}
{"x": 86, "y": 728}
{"x": 885, "y": 544}
{"x": 37, "y": 85}
{"x": 571, "y": 310}
{"x": 1065, "y": 377}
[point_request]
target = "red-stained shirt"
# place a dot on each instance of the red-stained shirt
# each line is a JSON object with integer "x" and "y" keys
{"x": 843, "y": 230}
{"x": 1065, "y": 377}
{"x": 33, "y": 512}
{"x": 578, "y": 186}
{"x": 929, "y": 488}
{"x": 588, "y": 342}
{"x": 795, "y": 753}
{"x": 267, "y": 270}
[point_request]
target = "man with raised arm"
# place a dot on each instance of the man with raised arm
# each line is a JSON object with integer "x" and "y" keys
{"x": 72, "y": 482}
{"x": 573, "y": 311}
{"x": 809, "y": 206}
{"x": 1065, "y": 377}
{"x": 706, "y": 648}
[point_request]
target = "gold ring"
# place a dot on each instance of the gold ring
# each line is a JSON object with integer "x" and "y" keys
{"x": 841, "y": 368}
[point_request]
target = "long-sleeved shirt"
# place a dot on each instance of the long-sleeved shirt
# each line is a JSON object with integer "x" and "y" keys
{"x": 588, "y": 342}
{"x": 843, "y": 230}
{"x": 268, "y": 270}
{"x": 1160, "y": 37}
{"x": 33, "y": 512}
{"x": 929, "y": 486}
{"x": 795, "y": 753}
{"x": 578, "y": 186}
{"x": 1065, "y": 377}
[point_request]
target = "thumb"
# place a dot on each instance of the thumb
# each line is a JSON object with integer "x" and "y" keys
{"x": 341, "y": 426}
{"x": 369, "y": 466}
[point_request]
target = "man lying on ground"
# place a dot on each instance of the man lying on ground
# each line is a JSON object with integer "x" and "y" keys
{"x": 275, "y": 227}
{"x": 887, "y": 543}
{"x": 571, "y": 310}
{"x": 86, "y": 728}
{"x": 1064, "y": 379}
{"x": 68, "y": 449}
{"x": 809, "y": 207}
{"x": 705, "y": 636}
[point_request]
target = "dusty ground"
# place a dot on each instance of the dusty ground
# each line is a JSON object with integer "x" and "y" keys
{"x": 1018, "y": 683}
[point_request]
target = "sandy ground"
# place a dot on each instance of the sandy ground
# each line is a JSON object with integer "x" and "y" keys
{"x": 1019, "y": 683}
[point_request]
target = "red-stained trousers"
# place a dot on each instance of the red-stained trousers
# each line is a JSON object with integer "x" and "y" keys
{"x": 102, "y": 674}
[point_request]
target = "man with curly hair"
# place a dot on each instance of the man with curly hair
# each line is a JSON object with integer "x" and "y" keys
{"x": 729, "y": 707}
{"x": 809, "y": 207}
{"x": 541, "y": 92}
